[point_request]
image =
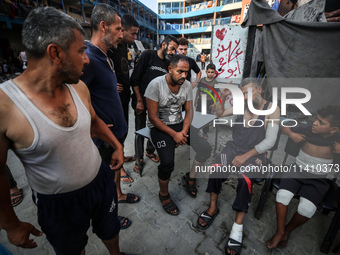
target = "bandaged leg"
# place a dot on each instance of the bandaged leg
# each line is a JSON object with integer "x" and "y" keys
{"x": 236, "y": 232}
{"x": 284, "y": 196}
{"x": 306, "y": 208}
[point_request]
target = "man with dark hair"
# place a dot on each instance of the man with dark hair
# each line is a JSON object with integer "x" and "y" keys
{"x": 151, "y": 64}
{"x": 313, "y": 163}
{"x": 183, "y": 49}
{"x": 118, "y": 54}
{"x": 48, "y": 123}
{"x": 99, "y": 76}
{"x": 165, "y": 97}
{"x": 251, "y": 139}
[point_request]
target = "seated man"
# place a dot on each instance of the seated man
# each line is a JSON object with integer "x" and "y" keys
{"x": 252, "y": 137}
{"x": 309, "y": 182}
{"x": 165, "y": 96}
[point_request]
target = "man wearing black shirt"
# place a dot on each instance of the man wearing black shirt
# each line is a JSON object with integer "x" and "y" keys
{"x": 183, "y": 49}
{"x": 119, "y": 57}
{"x": 151, "y": 64}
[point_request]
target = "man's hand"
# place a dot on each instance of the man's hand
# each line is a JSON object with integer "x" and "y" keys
{"x": 139, "y": 107}
{"x": 239, "y": 160}
{"x": 336, "y": 148}
{"x": 297, "y": 138}
{"x": 117, "y": 159}
{"x": 180, "y": 138}
{"x": 19, "y": 235}
{"x": 212, "y": 107}
{"x": 120, "y": 88}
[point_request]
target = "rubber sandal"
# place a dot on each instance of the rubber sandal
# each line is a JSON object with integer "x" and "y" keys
{"x": 189, "y": 188}
{"x": 153, "y": 157}
{"x": 127, "y": 176}
{"x": 169, "y": 206}
{"x": 207, "y": 218}
{"x": 125, "y": 220}
{"x": 233, "y": 245}
{"x": 17, "y": 197}
{"x": 129, "y": 159}
{"x": 130, "y": 199}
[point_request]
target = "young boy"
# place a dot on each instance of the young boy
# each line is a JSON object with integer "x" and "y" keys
{"x": 312, "y": 165}
{"x": 202, "y": 85}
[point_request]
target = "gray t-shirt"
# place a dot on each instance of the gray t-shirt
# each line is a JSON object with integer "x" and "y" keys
{"x": 169, "y": 104}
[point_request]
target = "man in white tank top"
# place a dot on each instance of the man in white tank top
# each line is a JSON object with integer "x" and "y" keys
{"x": 49, "y": 124}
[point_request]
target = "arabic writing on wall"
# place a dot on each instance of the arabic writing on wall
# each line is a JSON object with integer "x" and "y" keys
{"x": 228, "y": 50}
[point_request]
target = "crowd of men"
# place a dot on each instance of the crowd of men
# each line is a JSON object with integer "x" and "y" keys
{"x": 66, "y": 118}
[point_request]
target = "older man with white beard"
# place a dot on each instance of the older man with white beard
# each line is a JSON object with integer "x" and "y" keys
{"x": 253, "y": 135}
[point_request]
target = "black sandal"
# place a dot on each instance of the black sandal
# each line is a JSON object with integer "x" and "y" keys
{"x": 189, "y": 188}
{"x": 169, "y": 206}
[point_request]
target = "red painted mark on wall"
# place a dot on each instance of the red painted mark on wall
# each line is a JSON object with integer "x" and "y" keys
{"x": 220, "y": 34}
{"x": 231, "y": 54}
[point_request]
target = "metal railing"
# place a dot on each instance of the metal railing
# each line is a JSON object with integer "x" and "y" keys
{"x": 223, "y": 21}
{"x": 200, "y": 41}
{"x": 195, "y": 7}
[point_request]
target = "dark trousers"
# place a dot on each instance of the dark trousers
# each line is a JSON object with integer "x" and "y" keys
{"x": 126, "y": 112}
{"x": 12, "y": 182}
{"x": 166, "y": 145}
{"x": 245, "y": 180}
{"x": 106, "y": 151}
{"x": 243, "y": 191}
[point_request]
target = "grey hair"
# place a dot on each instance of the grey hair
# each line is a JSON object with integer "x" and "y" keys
{"x": 47, "y": 25}
{"x": 103, "y": 12}
{"x": 249, "y": 80}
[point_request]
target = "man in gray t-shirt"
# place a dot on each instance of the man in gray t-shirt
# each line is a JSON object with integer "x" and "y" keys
{"x": 165, "y": 96}
{"x": 169, "y": 103}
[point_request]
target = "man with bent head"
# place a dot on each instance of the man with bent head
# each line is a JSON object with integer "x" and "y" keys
{"x": 165, "y": 97}
{"x": 150, "y": 65}
{"x": 100, "y": 78}
{"x": 253, "y": 135}
{"x": 48, "y": 123}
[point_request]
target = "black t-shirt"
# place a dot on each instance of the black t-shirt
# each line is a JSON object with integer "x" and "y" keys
{"x": 119, "y": 57}
{"x": 315, "y": 138}
{"x": 149, "y": 67}
{"x": 192, "y": 66}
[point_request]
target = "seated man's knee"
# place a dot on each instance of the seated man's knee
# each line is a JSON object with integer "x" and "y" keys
{"x": 306, "y": 208}
{"x": 165, "y": 170}
{"x": 203, "y": 154}
{"x": 284, "y": 196}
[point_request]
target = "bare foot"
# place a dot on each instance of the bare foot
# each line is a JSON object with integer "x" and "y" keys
{"x": 274, "y": 241}
{"x": 284, "y": 241}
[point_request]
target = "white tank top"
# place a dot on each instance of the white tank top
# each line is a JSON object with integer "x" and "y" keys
{"x": 60, "y": 159}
